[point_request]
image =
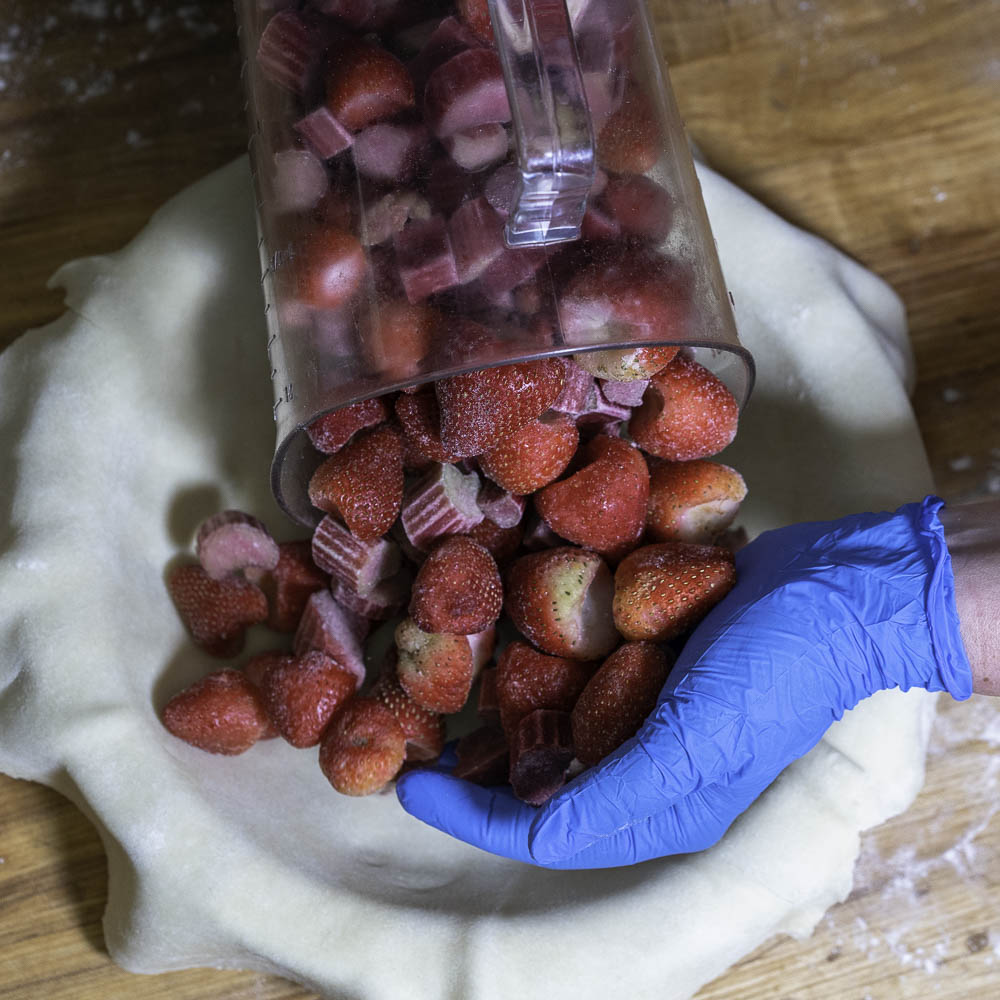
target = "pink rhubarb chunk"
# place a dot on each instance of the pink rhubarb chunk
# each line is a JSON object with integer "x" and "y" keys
{"x": 331, "y": 629}
{"x": 442, "y": 503}
{"x": 477, "y": 148}
{"x": 389, "y": 152}
{"x": 425, "y": 258}
{"x": 465, "y": 92}
{"x": 360, "y": 565}
{"x": 323, "y": 134}
{"x": 231, "y": 541}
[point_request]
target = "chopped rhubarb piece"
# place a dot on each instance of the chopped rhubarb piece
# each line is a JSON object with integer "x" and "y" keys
{"x": 540, "y": 753}
{"x": 384, "y": 600}
{"x": 231, "y": 541}
{"x": 504, "y": 509}
{"x": 624, "y": 393}
{"x": 333, "y": 430}
{"x": 216, "y": 613}
{"x": 466, "y": 91}
{"x": 479, "y": 147}
{"x": 482, "y": 645}
{"x": 425, "y": 258}
{"x": 488, "y": 705}
{"x": 222, "y": 713}
{"x": 303, "y": 693}
{"x": 298, "y": 180}
{"x": 323, "y": 134}
{"x": 441, "y": 503}
{"x": 577, "y": 390}
{"x": 483, "y": 757}
{"x": 366, "y": 84}
{"x": 288, "y": 53}
{"x": 600, "y": 413}
{"x": 332, "y": 629}
{"x": 476, "y": 233}
{"x": 360, "y": 565}
{"x": 390, "y": 152}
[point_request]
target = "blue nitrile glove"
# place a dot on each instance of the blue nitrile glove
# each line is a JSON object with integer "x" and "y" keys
{"x": 822, "y": 615}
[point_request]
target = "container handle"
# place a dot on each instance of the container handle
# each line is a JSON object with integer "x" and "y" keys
{"x": 553, "y": 131}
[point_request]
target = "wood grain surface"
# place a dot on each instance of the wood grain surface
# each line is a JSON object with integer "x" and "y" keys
{"x": 875, "y": 123}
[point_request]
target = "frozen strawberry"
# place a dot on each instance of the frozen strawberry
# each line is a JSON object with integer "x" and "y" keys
{"x": 635, "y": 206}
{"x": 624, "y": 393}
{"x": 330, "y": 432}
{"x": 254, "y": 670}
{"x": 439, "y": 504}
{"x": 366, "y": 84}
{"x": 363, "y": 483}
{"x": 289, "y": 585}
{"x": 480, "y": 409}
{"x": 420, "y": 417}
{"x": 527, "y": 680}
{"x": 692, "y": 501}
{"x": 533, "y": 456}
{"x": 488, "y": 702}
{"x": 385, "y": 600}
{"x": 502, "y": 543}
{"x": 603, "y": 505}
{"x": 435, "y": 670}
{"x": 216, "y": 613}
{"x": 626, "y": 296}
{"x": 363, "y": 749}
{"x": 687, "y": 413}
{"x": 231, "y": 541}
{"x": 629, "y": 143}
{"x": 359, "y": 565}
{"x": 222, "y": 713}
{"x": 560, "y": 599}
{"x": 476, "y": 15}
{"x": 449, "y": 37}
{"x": 663, "y": 590}
{"x": 617, "y": 699}
{"x": 424, "y": 730}
{"x": 328, "y": 269}
{"x": 466, "y": 91}
{"x": 303, "y": 693}
{"x": 540, "y": 753}
{"x": 397, "y": 336}
{"x": 330, "y": 628}
{"x": 457, "y": 589}
{"x": 483, "y": 757}
{"x": 298, "y": 180}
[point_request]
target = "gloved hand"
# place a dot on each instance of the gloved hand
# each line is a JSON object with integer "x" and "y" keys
{"x": 822, "y": 615}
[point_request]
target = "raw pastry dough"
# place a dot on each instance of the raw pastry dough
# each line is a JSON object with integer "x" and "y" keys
{"x": 146, "y": 407}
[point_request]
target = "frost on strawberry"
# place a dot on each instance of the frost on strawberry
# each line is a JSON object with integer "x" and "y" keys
{"x": 222, "y": 713}
{"x": 560, "y": 599}
{"x": 216, "y": 613}
{"x": 332, "y": 431}
{"x": 457, "y": 589}
{"x": 617, "y": 699}
{"x": 333, "y": 630}
{"x": 533, "y": 456}
{"x": 363, "y": 749}
{"x": 663, "y": 590}
{"x": 423, "y": 729}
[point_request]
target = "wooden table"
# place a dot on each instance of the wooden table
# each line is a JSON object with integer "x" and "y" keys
{"x": 875, "y": 123}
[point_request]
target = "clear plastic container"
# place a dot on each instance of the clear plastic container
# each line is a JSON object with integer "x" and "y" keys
{"x": 443, "y": 187}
